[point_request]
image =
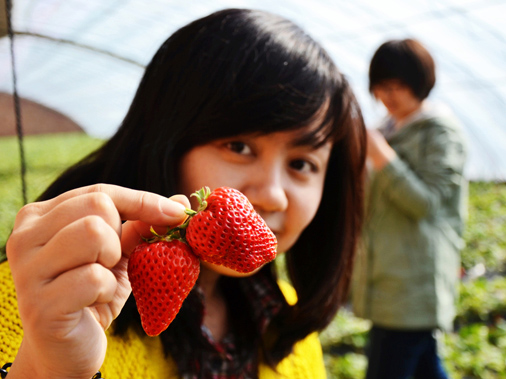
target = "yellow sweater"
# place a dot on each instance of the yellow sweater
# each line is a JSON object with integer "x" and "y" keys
{"x": 132, "y": 356}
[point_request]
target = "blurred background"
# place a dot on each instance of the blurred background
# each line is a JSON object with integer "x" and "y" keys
{"x": 84, "y": 58}
{"x": 78, "y": 63}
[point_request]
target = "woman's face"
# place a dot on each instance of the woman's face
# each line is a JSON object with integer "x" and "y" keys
{"x": 283, "y": 182}
{"x": 398, "y": 98}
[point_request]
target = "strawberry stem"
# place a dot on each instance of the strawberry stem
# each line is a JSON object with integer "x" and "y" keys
{"x": 177, "y": 233}
{"x": 190, "y": 213}
{"x": 202, "y": 195}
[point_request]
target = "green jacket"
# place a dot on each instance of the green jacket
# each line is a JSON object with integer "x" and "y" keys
{"x": 407, "y": 270}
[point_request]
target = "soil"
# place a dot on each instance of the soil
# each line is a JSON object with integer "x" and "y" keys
{"x": 35, "y": 118}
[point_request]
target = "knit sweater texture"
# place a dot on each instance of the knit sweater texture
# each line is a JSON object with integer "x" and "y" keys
{"x": 139, "y": 356}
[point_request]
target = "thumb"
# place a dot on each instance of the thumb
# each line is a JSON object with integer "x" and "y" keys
{"x": 133, "y": 231}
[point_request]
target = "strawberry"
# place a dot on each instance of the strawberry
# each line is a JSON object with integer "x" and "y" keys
{"x": 162, "y": 274}
{"x": 227, "y": 231}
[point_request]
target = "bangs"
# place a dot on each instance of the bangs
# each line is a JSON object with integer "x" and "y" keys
{"x": 332, "y": 121}
{"x": 319, "y": 130}
{"x": 270, "y": 77}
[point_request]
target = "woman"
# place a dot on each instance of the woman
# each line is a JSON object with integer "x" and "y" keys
{"x": 239, "y": 98}
{"x": 406, "y": 277}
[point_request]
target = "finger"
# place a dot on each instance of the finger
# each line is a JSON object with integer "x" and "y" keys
{"x": 87, "y": 240}
{"x": 133, "y": 204}
{"x": 134, "y": 231}
{"x": 80, "y": 288}
{"x": 37, "y": 230}
{"x": 36, "y": 223}
{"x": 69, "y": 293}
{"x": 133, "y": 234}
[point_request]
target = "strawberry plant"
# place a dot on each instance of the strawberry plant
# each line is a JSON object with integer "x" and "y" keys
{"x": 486, "y": 227}
{"x": 477, "y": 348}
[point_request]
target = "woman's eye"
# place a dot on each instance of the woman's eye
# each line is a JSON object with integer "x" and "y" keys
{"x": 302, "y": 165}
{"x": 239, "y": 147}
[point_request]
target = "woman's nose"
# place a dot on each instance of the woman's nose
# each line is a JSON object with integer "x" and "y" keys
{"x": 267, "y": 191}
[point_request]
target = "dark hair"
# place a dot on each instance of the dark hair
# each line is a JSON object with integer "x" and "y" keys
{"x": 406, "y": 60}
{"x": 239, "y": 71}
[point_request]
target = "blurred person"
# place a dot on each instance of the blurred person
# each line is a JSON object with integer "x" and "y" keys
{"x": 407, "y": 272}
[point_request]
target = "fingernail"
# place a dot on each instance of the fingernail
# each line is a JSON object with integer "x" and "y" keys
{"x": 172, "y": 208}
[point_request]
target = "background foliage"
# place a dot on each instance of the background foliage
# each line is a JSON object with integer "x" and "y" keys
{"x": 46, "y": 157}
{"x": 477, "y": 348}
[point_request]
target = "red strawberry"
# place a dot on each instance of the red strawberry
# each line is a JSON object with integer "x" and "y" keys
{"x": 227, "y": 231}
{"x": 162, "y": 275}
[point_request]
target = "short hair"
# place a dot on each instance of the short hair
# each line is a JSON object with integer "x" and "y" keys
{"x": 406, "y": 60}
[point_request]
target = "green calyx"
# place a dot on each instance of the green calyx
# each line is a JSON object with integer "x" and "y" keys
{"x": 178, "y": 232}
{"x": 202, "y": 195}
{"x": 171, "y": 235}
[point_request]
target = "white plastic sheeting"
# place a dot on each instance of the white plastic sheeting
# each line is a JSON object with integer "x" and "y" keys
{"x": 93, "y": 79}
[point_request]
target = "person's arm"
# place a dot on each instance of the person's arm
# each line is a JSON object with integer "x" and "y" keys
{"x": 379, "y": 152}
{"x": 68, "y": 257}
{"x": 418, "y": 191}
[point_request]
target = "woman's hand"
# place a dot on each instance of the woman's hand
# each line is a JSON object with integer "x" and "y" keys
{"x": 379, "y": 152}
{"x": 68, "y": 257}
